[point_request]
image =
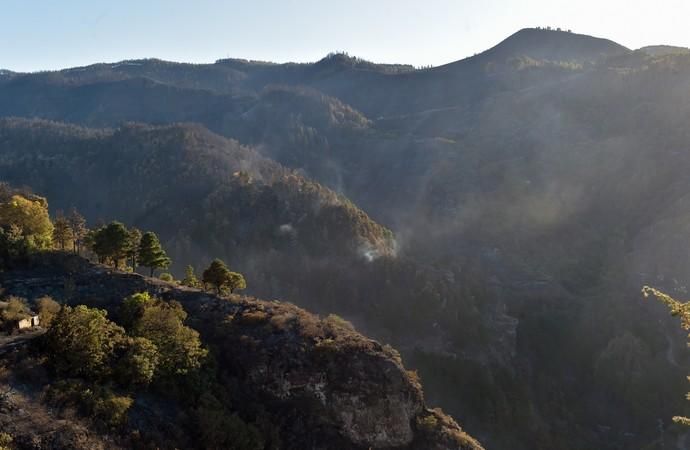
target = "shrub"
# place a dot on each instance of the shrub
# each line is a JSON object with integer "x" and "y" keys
{"x": 254, "y": 317}
{"x": 190, "y": 279}
{"x": 106, "y": 407}
{"x": 17, "y": 309}
{"x": 138, "y": 363}
{"x": 393, "y": 353}
{"x": 5, "y": 441}
{"x": 47, "y": 310}
{"x": 413, "y": 376}
{"x": 133, "y": 308}
{"x": 112, "y": 409}
{"x": 81, "y": 341}
{"x": 327, "y": 345}
{"x": 310, "y": 327}
{"x": 221, "y": 429}
{"x": 427, "y": 423}
{"x": 283, "y": 322}
{"x": 165, "y": 276}
{"x": 336, "y": 321}
{"x": 179, "y": 347}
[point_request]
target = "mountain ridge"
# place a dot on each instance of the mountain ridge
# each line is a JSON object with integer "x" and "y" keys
{"x": 590, "y": 46}
{"x": 530, "y": 198}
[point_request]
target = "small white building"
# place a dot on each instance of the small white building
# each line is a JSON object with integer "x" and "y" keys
{"x": 29, "y": 322}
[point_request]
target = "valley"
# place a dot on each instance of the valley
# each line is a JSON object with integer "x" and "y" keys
{"x": 494, "y": 219}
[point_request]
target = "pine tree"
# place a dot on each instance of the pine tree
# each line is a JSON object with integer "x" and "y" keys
{"x": 216, "y": 275}
{"x": 151, "y": 253}
{"x": 110, "y": 242}
{"x": 77, "y": 224}
{"x": 62, "y": 232}
{"x": 133, "y": 242}
{"x": 190, "y": 279}
{"x": 219, "y": 276}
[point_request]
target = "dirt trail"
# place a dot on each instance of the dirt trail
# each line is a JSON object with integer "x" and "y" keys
{"x": 12, "y": 341}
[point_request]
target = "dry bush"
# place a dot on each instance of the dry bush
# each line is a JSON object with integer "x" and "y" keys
{"x": 254, "y": 317}
{"x": 47, "y": 310}
{"x": 337, "y": 323}
{"x": 283, "y": 322}
{"x": 310, "y": 327}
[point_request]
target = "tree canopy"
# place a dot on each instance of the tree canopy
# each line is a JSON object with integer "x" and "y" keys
{"x": 190, "y": 279}
{"x": 77, "y": 224}
{"x": 110, "y": 243}
{"x": 222, "y": 279}
{"x": 179, "y": 347}
{"x": 27, "y": 216}
{"x": 62, "y": 231}
{"x": 82, "y": 341}
{"x": 151, "y": 253}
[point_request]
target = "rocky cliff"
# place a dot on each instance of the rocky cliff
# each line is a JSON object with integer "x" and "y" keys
{"x": 323, "y": 384}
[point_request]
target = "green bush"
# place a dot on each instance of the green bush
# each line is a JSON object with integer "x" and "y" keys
{"x": 138, "y": 364}
{"x": 112, "y": 409}
{"x": 219, "y": 428}
{"x": 5, "y": 441}
{"x": 165, "y": 276}
{"x": 427, "y": 423}
{"x": 81, "y": 342}
{"x": 105, "y": 406}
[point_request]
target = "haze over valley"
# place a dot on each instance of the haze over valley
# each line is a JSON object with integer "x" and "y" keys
{"x": 487, "y": 224}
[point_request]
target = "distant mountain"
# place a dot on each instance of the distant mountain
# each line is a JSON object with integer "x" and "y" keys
{"x": 554, "y": 45}
{"x": 662, "y": 50}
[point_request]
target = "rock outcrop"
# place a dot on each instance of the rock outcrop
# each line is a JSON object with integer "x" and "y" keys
{"x": 324, "y": 385}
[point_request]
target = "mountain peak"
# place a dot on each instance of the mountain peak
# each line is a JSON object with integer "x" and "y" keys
{"x": 555, "y": 45}
{"x": 341, "y": 60}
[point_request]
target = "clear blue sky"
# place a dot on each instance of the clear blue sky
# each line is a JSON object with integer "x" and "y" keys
{"x": 50, "y": 34}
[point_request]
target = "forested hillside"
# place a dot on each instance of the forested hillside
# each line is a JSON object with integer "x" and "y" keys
{"x": 93, "y": 356}
{"x": 529, "y": 190}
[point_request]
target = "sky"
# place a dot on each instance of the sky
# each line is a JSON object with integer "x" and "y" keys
{"x": 53, "y": 34}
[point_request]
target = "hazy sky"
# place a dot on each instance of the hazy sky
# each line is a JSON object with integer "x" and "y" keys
{"x": 49, "y": 34}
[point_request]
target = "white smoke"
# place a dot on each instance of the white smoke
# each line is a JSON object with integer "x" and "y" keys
{"x": 368, "y": 252}
{"x": 286, "y": 229}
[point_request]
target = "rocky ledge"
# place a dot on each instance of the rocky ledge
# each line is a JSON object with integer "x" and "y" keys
{"x": 323, "y": 384}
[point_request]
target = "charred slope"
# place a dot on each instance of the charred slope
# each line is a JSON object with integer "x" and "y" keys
{"x": 185, "y": 182}
{"x": 324, "y": 385}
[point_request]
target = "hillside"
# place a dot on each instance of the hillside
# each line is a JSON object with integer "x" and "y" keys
{"x": 662, "y": 50}
{"x": 145, "y": 172}
{"x": 209, "y": 197}
{"x": 318, "y": 383}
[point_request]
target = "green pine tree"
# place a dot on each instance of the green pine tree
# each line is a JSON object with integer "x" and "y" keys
{"x": 190, "y": 279}
{"x": 151, "y": 253}
{"x": 219, "y": 276}
{"x": 110, "y": 243}
{"x": 216, "y": 275}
